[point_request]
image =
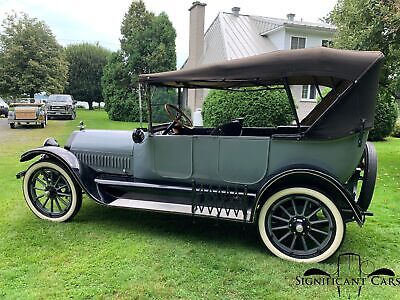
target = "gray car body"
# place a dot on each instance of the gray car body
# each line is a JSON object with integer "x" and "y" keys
{"x": 216, "y": 160}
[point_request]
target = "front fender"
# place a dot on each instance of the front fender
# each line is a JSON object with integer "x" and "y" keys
{"x": 83, "y": 175}
{"x": 64, "y": 156}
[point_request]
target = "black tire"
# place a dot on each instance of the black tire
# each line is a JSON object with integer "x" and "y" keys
{"x": 12, "y": 125}
{"x": 47, "y": 183}
{"x": 369, "y": 164}
{"x": 301, "y": 224}
{"x": 73, "y": 116}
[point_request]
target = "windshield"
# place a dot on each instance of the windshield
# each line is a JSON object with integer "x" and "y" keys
{"x": 60, "y": 98}
{"x": 2, "y": 102}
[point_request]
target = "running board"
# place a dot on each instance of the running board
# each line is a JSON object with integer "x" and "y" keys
{"x": 185, "y": 209}
{"x": 154, "y": 186}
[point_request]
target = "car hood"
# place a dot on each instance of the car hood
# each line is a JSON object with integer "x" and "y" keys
{"x": 117, "y": 142}
{"x": 59, "y": 103}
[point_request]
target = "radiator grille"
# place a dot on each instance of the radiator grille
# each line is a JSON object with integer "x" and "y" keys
{"x": 102, "y": 161}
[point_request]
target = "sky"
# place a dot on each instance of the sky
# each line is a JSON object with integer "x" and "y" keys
{"x": 75, "y": 21}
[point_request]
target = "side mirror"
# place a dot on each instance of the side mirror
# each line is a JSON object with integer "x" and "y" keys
{"x": 138, "y": 136}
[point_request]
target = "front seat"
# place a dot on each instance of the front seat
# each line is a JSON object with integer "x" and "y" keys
{"x": 233, "y": 128}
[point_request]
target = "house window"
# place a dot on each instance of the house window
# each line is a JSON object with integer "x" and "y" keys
{"x": 309, "y": 92}
{"x": 327, "y": 43}
{"x": 297, "y": 42}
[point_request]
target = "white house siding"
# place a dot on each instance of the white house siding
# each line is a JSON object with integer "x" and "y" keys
{"x": 313, "y": 37}
{"x": 277, "y": 37}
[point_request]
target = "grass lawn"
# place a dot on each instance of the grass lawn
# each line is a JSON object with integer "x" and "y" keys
{"x": 123, "y": 254}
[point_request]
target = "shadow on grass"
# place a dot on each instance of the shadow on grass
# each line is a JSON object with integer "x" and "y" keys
{"x": 211, "y": 231}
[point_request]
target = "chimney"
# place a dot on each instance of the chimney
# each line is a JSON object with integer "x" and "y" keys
{"x": 290, "y": 17}
{"x": 196, "y": 33}
{"x": 235, "y": 11}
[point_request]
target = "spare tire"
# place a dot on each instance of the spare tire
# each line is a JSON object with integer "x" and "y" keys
{"x": 369, "y": 165}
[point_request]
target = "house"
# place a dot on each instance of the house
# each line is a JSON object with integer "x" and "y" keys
{"x": 234, "y": 35}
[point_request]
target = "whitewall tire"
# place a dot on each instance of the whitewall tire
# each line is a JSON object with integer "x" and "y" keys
{"x": 301, "y": 224}
{"x": 50, "y": 192}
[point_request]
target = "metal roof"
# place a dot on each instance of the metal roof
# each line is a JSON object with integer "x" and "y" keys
{"x": 231, "y": 37}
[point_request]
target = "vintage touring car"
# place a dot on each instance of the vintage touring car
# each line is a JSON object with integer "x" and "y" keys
{"x": 27, "y": 112}
{"x": 298, "y": 183}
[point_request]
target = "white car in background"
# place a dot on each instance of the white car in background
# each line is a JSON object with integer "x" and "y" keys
{"x": 3, "y": 108}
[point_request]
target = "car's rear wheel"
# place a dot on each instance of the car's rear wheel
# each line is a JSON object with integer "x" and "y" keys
{"x": 12, "y": 125}
{"x": 50, "y": 192}
{"x": 301, "y": 224}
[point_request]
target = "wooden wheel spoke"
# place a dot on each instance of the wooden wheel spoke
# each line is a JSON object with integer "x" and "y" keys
{"x": 280, "y": 227}
{"x": 284, "y": 236}
{"x": 303, "y": 241}
{"x": 314, "y": 239}
{"x": 319, "y": 231}
{"x": 293, "y": 242}
{"x": 285, "y": 211}
{"x": 63, "y": 194}
{"x": 319, "y": 222}
{"x": 280, "y": 218}
{"x": 62, "y": 201}
{"x": 57, "y": 204}
{"x": 294, "y": 206}
{"x": 305, "y": 207}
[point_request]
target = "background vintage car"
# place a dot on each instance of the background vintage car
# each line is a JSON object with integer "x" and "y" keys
{"x": 61, "y": 106}
{"x": 27, "y": 112}
{"x": 3, "y": 108}
{"x": 298, "y": 183}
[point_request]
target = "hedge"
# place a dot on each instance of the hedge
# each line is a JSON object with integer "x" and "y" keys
{"x": 261, "y": 108}
{"x": 385, "y": 116}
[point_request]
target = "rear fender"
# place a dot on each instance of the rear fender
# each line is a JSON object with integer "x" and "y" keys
{"x": 315, "y": 178}
{"x": 83, "y": 175}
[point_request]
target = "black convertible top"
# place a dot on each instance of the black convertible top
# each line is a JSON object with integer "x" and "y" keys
{"x": 323, "y": 66}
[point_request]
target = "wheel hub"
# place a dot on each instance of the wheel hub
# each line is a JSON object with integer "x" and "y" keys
{"x": 299, "y": 225}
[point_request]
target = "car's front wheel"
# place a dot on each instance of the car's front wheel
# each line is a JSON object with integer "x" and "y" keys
{"x": 50, "y": 192}
{"x": 301, "y": 224}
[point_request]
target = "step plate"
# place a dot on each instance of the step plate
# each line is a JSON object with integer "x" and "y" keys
{"x": 181, "y": 209}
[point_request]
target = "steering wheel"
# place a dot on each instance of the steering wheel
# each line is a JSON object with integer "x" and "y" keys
{"x": 177, "y": 116}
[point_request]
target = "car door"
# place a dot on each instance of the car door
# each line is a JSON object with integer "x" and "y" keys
{"x": 172, "y": 155}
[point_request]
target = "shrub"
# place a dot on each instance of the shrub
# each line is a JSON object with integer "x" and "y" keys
{"x": 385, "y": 117}
{"x": 396, "y": 129}
{"x": 125, "y": 110}
{"x": 262, "y": 108}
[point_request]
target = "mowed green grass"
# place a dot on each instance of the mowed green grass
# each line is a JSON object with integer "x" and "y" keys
{"x": 109, "y": 253}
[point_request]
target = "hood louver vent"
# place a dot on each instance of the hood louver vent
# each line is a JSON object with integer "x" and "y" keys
{"x": 106, "y": 162}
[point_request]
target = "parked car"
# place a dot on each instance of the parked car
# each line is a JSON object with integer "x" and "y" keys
{"x": 61, "y": 106}
{"x": 3, "y": 108}
{"x": 27, "y": 112}
{"x": 300, "y": 183}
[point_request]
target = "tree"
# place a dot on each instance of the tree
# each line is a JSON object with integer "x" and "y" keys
{"x": 86, "y": 64}
{"x": 373, "y": 25}
{"x": 147, "y": 45}
{"x": 31, "y": 60}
